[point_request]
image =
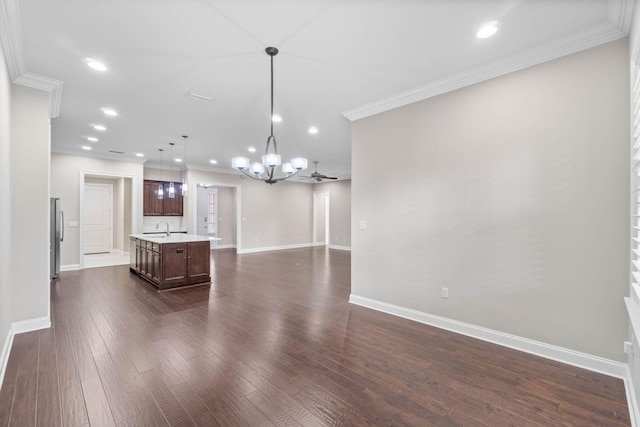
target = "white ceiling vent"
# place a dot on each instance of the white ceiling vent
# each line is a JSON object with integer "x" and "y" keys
{"x": 198, "y": 97}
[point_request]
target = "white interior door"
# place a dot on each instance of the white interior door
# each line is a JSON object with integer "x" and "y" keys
{"x": 98, "y": 204}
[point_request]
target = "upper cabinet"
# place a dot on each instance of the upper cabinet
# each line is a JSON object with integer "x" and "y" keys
{"x": 173, "y": 206}
{"x": 167, "y": 206}
{"x": 151, "y": 204}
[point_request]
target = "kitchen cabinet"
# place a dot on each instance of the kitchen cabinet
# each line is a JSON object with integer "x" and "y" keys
{"x": 169, "y": 262}
{"x": 147, "y": 260}
{"x": 152, "y": 206}
{"x": 173, "y": 206}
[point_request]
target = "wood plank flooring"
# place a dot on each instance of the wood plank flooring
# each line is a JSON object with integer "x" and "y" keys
{"x": 273, "y": 341}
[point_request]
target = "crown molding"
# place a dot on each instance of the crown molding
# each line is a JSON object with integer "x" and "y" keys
{"x": 620, "y": 13}
{"x": 97, "y": 155}
{"x": 54, "y": 87}
{"x": 617, "y": 26}
{"x": 11, "y": 38}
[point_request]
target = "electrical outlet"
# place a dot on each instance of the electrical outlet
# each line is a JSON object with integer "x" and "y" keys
{"x": 445, "y": 292}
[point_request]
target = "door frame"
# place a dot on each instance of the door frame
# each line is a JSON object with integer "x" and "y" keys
{"x": 192, "y": 219}
{"x": 134, "y": 205}
{"x": 110, "y": 223}
{"x": 213, "y": 243}
{"x": 314, "y": 221}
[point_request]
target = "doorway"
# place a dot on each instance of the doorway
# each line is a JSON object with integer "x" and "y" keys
{"x": 207, "y": 214}
{"x": 107, "y": 206}
{"x": 216, "y": 214}
{"x": 98, "y": 219}
{"x": 320, "y": 218}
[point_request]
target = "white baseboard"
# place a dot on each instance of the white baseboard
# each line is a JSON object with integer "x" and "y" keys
{"x": 4, "y": 356}
{"x": 559, "y": 354}
{"x": 18, "y": 328}
{"x": 634, "y": 410}
{"x": 70, "y": 267}
{"x": 275, "y": 248}
{"x": 30, "y": 325}
{"x": 224, "y": 247}
{"x": 340, "y": 248}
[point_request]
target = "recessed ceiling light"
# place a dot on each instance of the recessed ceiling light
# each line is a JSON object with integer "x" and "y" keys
{"x": 487, "y": 30}
{"x": 99, "y": 127}
{"x": 177, "y": 160}
{"x": 96, "y": 65}
{"x": 86, "y": 147}
{"x": 92, "y": 139}
{"x": 276, "y": 118}
{"x": 213, "y": 162}
{"x": 313, "y": 130}
{"x": 139, "y": 155}
{"x": 109, "y": 112}
{"x": 251, "y": 149}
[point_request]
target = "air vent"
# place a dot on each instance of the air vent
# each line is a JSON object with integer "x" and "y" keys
{"x": 198, "y": 97}
{"x": 116, "y": 152}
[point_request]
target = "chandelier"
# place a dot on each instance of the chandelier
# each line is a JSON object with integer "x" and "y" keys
{"x": 266, "y": 171}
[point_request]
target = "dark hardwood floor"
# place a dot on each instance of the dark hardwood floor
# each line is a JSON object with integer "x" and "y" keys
{"x": 273, "y": 341}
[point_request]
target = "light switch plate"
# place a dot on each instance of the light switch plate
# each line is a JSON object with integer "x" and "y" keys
{"x": 73, "y": 224}
{"x": 362, "y": 225}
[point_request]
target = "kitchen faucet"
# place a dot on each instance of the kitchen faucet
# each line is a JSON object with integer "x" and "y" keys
{"x": 166, "y": 223}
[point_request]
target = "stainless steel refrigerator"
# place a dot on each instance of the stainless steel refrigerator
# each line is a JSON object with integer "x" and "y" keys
{"x": 56, "y": 236}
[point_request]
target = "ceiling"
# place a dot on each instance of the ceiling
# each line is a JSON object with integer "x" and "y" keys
{"x": 335, "y": 57}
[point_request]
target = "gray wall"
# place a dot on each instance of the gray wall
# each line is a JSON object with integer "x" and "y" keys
{"x": 5, "y": 208}
{"x": 513, "y": 193}
{"x": 339, "y": 211}
{"x": 29, "y": 201}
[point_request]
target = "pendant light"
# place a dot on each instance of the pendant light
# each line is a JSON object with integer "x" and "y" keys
{"x": 184, "y": 181}
{"x": 265, "y": 171}
{"x": 172, "y": 190}
{"x": 160, "y": 188}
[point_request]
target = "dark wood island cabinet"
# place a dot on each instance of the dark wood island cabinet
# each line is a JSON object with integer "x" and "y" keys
{"x": 171, "y": 261}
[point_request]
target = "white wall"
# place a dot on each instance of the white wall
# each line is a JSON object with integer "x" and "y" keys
{"x": 66, "y": 173}
{"x": 5, "y": 208}
{"x": 29, "y": 201}
{"x": 339, "y": 211}
{"x": 634, "y": 335}
{"x": 516, "y": 200}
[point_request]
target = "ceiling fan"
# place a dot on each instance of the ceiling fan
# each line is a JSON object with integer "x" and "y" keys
{"x": 318, "y": 176}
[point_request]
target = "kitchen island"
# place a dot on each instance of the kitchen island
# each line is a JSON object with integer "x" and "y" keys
{"x": 170, "y": 261}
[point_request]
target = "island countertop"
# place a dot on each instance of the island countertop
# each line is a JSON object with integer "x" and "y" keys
{"x": 174, "y": 238}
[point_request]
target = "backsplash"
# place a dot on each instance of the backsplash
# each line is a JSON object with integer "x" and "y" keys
{"x": 176, "y": 223}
